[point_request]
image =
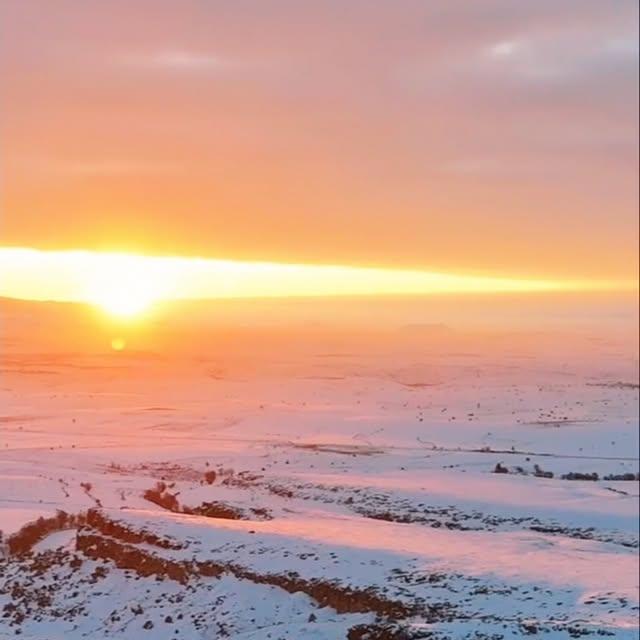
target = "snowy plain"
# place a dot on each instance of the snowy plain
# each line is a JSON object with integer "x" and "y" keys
{"x": 335, "y": 490}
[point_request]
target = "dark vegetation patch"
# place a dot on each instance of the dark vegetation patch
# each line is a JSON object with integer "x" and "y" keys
{"x": 161, "y": 496}
{"x": 210, "y": 476}
{"x": 23, "y": 540}
{"x": 538, "y": 472}
{"x": 431, "y": 446}
{"x": 385, "y": 631}
{"x": 96, "y": 520}
{"x": 626, "y": 477}
{"x": 227, "y": 511}
{"x": 346, "y": 449}
{"x": 592, "y": 477}
{"x": 163, "y": 471}
{"x": 126, "y": 556}
{"x": 615, "y": 385}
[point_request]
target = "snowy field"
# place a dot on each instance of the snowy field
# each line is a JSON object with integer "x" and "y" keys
{"x": 420, "y": 490}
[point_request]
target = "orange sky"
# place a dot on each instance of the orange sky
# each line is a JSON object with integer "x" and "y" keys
{"x": 493, "y": 138}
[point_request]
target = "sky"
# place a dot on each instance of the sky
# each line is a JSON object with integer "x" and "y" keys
{"x": 486, "y": 139}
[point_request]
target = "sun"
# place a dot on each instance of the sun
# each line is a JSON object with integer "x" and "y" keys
{"x": 123, "y": 302}
{"x": 124, "y": 286}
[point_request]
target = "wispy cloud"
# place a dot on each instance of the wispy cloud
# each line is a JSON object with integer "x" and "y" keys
{"x": 178, "y": 60}
{"x": 561, "y": 56}
{"x": 185, "y": 61}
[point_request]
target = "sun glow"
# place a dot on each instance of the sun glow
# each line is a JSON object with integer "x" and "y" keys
{"x": 123, "y": 286}
{"x": 118, "y": 344}
{"x": 126, "y": 286}
{"x": 122, "y": 303}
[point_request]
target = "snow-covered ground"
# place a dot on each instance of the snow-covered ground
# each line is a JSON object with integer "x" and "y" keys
{"x": 353, "y": 493}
